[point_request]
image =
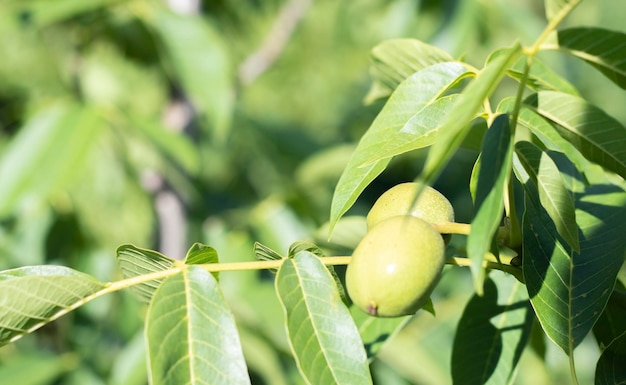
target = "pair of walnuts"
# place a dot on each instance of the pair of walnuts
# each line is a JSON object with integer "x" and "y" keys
{"x": 397, "y": 264}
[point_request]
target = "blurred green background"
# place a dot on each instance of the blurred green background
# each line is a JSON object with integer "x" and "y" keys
{"x": 224, "y": 122}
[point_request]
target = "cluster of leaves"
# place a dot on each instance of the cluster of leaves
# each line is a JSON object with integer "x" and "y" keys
{"x": 551, "y": 161}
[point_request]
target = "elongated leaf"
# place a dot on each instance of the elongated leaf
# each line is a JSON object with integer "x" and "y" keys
{"x": 202, "y": 65}
{"x": 541, "y": 77}
{"x": 555, "y": 198}
{"x": 545, "y": 132}
{"x": 492, "y": 333}
{"x": 135, "y": 261}
{"x": 33, "y": 164}
{"x": 569, "y": 290}
{"x": 375, "y": 331}
{"x": 610, "y": 369}
{"x": 394, "y": 60}
{"x": 493, "y": 176}
{"x": 602, "y": 48}
{"x": 454, "y": 128}
{"x": 557, "y": 9}
{"x": 598, "y": 136}
{"x": 191, "y": 333}
{"x": 419, "y": 90}
{"x": 419, "y": 132}
{"x": 264, "y": 253}
{"x": 32, "y": 296}
{"x": 322, "y": 334}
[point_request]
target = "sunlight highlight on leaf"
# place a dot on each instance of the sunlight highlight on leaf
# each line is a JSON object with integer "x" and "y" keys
{"x": 135, "y": 261}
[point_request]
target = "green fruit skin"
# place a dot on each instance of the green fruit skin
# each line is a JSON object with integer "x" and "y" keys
{"x": 395, "y": 267}
{"x": 431, "y": 206}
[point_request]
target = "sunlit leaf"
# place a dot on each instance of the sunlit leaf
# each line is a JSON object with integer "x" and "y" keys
{"x": 602, "y": 48}
{"x": 323, "y": 337}
{"x": 416, "y": 92}
{"x": 455, "y": 127}
{"x": 492, "y": 333}
{"x": 264, "y": 253}
{"x": 394, "y": 60}
{"x": 419, "y": 132}
{"x": 541, "y": 77}
{"x": 202, "y": 65}
{"x": 32, "y": 296}
{"x": 46, "y": 154}
{"x": 557, "y": 9}
{"x": 598, "y": 136}
{"x": 569, "y": 290}
{"x": 555, "y": 198}
{"x": 191, "y": 333}
{"x": 135, "y": 261}
{"x": 199, "y": 254}
{"x": 493, "y": 176}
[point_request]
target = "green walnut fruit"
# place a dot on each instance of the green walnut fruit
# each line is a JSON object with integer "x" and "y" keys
{"x": 431, "y": 205}
{"x": 395, "y": 267}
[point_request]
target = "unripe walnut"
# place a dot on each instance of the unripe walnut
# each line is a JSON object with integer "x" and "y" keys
{"x": 395, "y": 267}
{"x": 431, "y": 205}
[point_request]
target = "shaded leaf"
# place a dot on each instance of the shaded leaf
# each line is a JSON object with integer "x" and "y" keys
{"x": 555, "y": 198}
{"x": 33, "y": 296}
{"x": 602, "y": 48}
{"x": 375, "y": 331}
{"x": 191, "y": 333}
{"x": 264, "y": 253}
{"x": 33, "y": 166}
{"x": 598, "y": 136}
{"x": 323, "y": 337}
{"x": 419, "y": 90}
{"x": 135, "y": 261}
{"x": 610, "y": 369}
{"x": 492, "y": 333}
{"x": 493, "y": 176}
{"x": 541, "y": 77}
{"x": 199, "y": 254}
{"x": 454, "y": 129}
{"x": 569, "y": 290}
{"x": 394, "y": 60}
{"x": 610, "y": 332}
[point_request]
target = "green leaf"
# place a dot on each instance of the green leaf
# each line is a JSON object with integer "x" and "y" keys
{"x": 598, "y": 136}
{"x": 394, "y": 60}
{"x": 602, "y": 48}
{"x": 191, "y": 333}
{"x": 492, "y": 333}
{"x": 419, "y": 90}
{"x": 545, "y": 132}
{"x": 610, "y": 332}
{"x": 569, "y": 290}
{"x": 493, "y": 176}
{"x": 199, "y": 254}
{"x": 18, "y": 368}
{"x": 264, "y": 253}
{"x": 46, "y": 154}
{"x": 375, "y": 331}
{"x": 541, "y": 77}
{"x": 33, "y": 296}
{"x": 135, "y": 261}
{"x": 454, "y": 129}
{"x": 200, "y": 59}
{"x": 555, "y": 198}
{"x": 323, "y": 337}
{"x": 419, "y": 132}
{"x": 610, "y": 369}
{"x": 557, "y": 9}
